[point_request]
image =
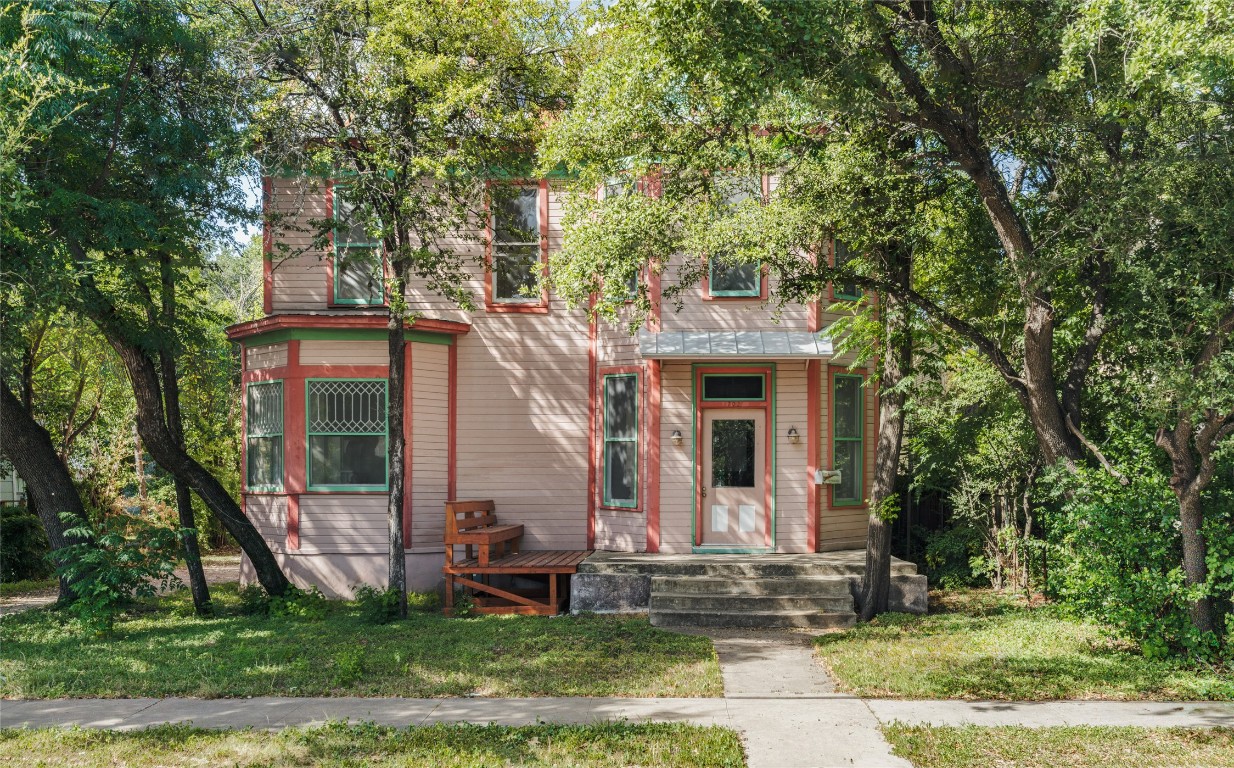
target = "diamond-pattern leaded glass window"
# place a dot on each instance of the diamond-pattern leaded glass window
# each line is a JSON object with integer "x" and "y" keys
{"x": 347, "y": 434}
{"x": 264, "y": 438}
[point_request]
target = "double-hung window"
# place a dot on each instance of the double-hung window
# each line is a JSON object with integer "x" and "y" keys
{"x": 264, "y": 436}
{"x": 358, "y": 269}
{"x": 621, "y": 440}
{"x": 516, "y": 246}
{"x": 346, "y": 434}
{"x": 728, "y": 280}
{"x": 620, "y": 186}
{"x": 848, "y": 397}
{"x": 848, "y": 291}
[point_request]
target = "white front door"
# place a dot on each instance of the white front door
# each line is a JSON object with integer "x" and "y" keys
{"x": 732, "y": 493}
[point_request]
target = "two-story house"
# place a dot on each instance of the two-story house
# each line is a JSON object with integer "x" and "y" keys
{"x": 704, "y": 433}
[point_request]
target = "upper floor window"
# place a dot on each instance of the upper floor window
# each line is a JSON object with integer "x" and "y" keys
{"x": 358, "y": 268}
{"x": 517, "y": 256}
{"x": 728, "y": 280}
{"x": 844, "y": 290}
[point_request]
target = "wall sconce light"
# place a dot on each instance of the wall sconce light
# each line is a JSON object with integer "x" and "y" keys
{"x": 676, "y": 437}
{"x": 794, "y": 436}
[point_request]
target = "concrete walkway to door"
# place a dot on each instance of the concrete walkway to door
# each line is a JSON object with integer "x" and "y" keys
{"x": 775, "y": 695}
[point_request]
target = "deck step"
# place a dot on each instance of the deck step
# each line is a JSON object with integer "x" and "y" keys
{"x": 753, "y": 620}
{"x": 815, "y": 586}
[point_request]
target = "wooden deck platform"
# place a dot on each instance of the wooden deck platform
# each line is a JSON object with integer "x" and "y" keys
{"x": 490, "y": 599}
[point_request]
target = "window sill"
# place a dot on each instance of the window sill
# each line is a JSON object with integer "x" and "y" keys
{"x": 740, "y": 297}
{"x": 614, "y": 508}
{"x": 515, "y": 308}
{"x": 353, "y": 489}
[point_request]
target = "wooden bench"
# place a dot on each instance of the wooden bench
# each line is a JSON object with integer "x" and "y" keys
{"x": 474, "y": 524}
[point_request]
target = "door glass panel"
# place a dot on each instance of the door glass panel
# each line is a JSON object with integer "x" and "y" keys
{"x": 732, "y": 453}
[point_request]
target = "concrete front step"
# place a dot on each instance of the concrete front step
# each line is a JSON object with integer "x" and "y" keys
{"x": 753, "y": 619}
{"x": 661, "y": 601}
{"x": 734, "y": 567}
{"x": 814, "y": 586}
{"x": 621, "y": 582}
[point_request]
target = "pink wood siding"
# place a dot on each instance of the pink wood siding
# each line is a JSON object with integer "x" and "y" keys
{"x": 265, "y": 356}
{"x": 676, "y": 482}
{"x": 792, "y": 481}
{"x": 343, "y": 523}
{"x": 269, "y": 515}
{"x": 317, "y": 352}
{"x": 429, "y": 400}
{"x": 621, "y": 530}
{"x": 845, "y": 527}
{"x": 300, "y": 272}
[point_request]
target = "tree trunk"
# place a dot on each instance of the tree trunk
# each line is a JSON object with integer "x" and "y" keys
{"x": 397, "y": 453}
{"x": 173, "y": 458}
{"x": 175, "y": 425}
{"x": 1188, "y": 482}
{"x": 151, "y": 424}
{"x": 49, "y": 487}
{"x": 876, "y": 580}
{"x": 139, "y": 466}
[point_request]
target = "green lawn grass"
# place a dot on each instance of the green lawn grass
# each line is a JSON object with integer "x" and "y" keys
{"x": 27, "y": 587}
{"x": 979, "y": 645}
{"x": 611, "y": 745}
{"x": 164, "y": 650}
{"x": 1074, "y": 747}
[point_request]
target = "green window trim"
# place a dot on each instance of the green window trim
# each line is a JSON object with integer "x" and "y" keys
{"x": 707, "y": 376}
{"x": 344, "y": 251}
{"x": 606, "y": 498}
{"x": 255, "y": 431}
{"x": 751, "y": 293}
{"x": 836, "y": 499}
{"x": 309, "y": 433}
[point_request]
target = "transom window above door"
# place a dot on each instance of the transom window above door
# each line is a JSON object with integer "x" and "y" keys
{"x": 746, "y": 387}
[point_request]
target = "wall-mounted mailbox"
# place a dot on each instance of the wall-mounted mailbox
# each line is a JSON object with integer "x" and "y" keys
{"x": 827, "y": 476}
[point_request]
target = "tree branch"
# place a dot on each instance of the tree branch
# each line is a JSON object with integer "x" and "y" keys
{"x": 1093, "y": 449}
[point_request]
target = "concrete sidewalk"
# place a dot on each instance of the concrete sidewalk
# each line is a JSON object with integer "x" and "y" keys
{"x": 776, "y": 695}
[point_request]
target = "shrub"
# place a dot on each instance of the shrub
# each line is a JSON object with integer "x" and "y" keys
{"x": 377, "y": 606}
{"x": 123, "y": 557}
{"x": 954, "y": 558}
{"x": 298, "y": 603}
{"x": 23, "y": 545}
{"x": 254, "y": 601}
{"x": 1116, "y": 555}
